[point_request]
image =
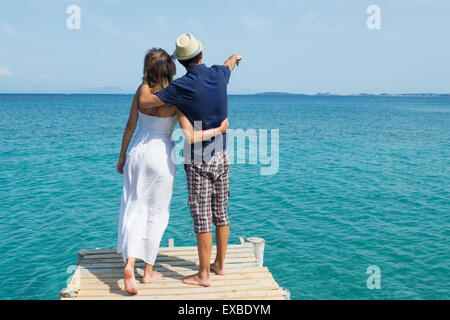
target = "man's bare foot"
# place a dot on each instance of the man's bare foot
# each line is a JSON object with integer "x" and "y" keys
{"x": 220, "y": 271}
{"x": 130, "y": 281}
{"x": 196, "y": 280}
{"x": 148, "y": 278}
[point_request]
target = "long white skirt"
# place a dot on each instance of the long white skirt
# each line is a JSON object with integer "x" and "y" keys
{"x": 147, "y": 191}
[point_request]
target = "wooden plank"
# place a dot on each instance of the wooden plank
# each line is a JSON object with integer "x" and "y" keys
{"x": 166, "y": 265}
{"x": 186, "y": 289}
{"x": 91, "y": 259}
{"x": 171, "y": 249}
{"x": 177, "y": 280}
{"x": 169, "y": 256}
{"x": 170, "y": 260}
{"x": 175, "y": 269}
{"x": 81, "y": 283}
{"x": 163, "y": 285}
{"x": 99, "y": 276}
{"x": 254, "y": 295}
{"x": 175, "y": 277}
{"x": 173, "y": 272}
{"x": 189, "y": 290}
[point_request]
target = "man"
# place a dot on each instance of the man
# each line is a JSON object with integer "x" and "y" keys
{"x": 201, "y": 95}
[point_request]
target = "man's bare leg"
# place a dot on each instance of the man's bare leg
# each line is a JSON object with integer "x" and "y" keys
{"x": 204, "y": 245}
{"x": 222, "y": 235}
{"x": 150, "y": 275}
{"x": 128, "y": 277}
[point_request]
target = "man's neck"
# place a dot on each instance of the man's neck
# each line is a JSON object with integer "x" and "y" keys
{"x": 194, "y": 66}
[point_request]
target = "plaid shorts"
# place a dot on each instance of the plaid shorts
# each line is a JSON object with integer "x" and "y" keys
{"x": 208, "y": 188}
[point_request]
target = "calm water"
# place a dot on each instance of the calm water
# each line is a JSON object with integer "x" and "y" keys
{"x": 362, "y": 181}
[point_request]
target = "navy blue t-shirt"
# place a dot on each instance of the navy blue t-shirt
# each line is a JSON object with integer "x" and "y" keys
{"x": 201, "y": 94}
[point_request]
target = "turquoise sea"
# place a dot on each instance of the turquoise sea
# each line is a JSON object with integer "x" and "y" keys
{"x": 362, "y": 181}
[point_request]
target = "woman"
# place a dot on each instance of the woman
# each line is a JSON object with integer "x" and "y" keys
{"x": 148, "y": 171}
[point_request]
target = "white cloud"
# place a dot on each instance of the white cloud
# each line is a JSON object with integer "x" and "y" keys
{"x": 256, "y": 24}
{"x": 5, "y": 72}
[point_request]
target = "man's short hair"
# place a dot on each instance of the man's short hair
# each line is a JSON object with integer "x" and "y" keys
{"x": 191, "y": 62}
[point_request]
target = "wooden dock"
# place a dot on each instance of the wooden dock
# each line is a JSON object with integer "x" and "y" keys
{"x": 98, "y": 276}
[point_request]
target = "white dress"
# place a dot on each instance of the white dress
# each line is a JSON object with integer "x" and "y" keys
{"x": 147, "y": 189}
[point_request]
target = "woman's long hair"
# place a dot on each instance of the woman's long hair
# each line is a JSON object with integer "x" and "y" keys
{"x": 159, "y": 69}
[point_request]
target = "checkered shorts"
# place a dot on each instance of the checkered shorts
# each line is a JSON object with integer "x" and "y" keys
{"x": 208, "y": 188}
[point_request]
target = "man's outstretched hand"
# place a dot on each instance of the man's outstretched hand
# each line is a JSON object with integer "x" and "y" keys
{"x": 238, "y": 59}
{"x": 233, "y": 61}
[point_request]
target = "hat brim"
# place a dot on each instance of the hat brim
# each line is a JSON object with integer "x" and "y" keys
{"x": 197, "y": 52}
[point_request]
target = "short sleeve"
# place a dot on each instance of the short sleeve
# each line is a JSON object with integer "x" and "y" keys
{"x": 169, "y": 95}
{"x": 224, "y": 71}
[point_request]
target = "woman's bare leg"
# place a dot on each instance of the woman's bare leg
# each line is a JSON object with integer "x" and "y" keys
{"x": 150, "y": 275}
{"x": 128, "y": 277}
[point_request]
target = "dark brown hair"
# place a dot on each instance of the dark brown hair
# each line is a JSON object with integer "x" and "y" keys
{"x": 191, "y": 62}
{"x": 159, "y": 69}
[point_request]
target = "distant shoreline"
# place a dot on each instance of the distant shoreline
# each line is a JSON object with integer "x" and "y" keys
{"x": 256, "y": 94}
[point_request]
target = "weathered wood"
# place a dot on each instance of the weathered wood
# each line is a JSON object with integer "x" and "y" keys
{"x": 258, "y": 246}
{"x": 68, "y": 293}
{"x": 253, "y": 295}
{"x": 159, "y": 265}
{"x": 249, "y": 251}
{"x": 158, "y": 285}
{"x": 170, "y": 256}
{"x": 167, "y": 249}
{"x": 168, "y": 273}
{"x": 163, "y": 260}
{"x": 167, "y": 259}
{"x": 176, "y": 278}
{"x": 287, "y": 294}
{"x": 189, "y": 290}
{"x": 99, "y": 276}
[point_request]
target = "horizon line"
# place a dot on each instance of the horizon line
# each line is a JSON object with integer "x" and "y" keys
{"x": 245, "y": 94}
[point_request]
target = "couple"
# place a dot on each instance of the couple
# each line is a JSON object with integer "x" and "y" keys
{"x": 198, "y": 101}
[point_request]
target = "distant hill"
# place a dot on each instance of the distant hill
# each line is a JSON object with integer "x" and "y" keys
{"x": 279, "y": 94}
{"x": 272, "y": 93}
{"x": 129, "y": 90}
{"x": 357, "y": 94}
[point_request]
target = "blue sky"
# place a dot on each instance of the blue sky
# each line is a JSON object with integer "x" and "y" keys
{"x": 298, "y": 46}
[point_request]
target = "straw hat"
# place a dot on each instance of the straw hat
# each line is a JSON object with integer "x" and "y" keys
{"x": 187, "y": 47}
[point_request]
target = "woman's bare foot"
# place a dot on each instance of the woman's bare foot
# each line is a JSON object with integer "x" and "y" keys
{"x": 220, "y": 271}
{"x": 130, "y": 281}
{"x": 150, "y": 277}
{"x": 195, "y": 279}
